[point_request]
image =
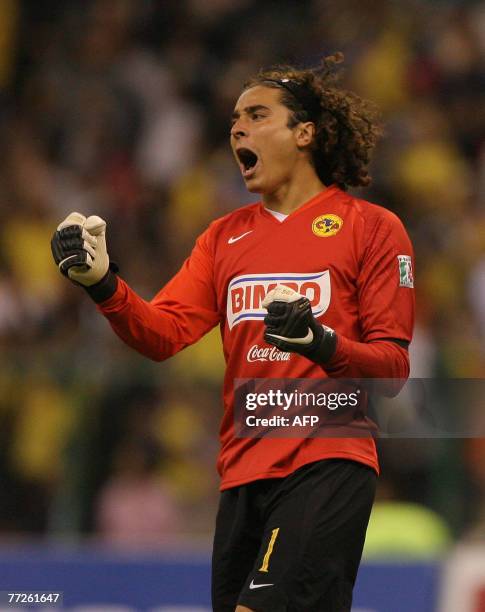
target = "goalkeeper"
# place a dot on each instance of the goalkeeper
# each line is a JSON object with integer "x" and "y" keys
{"x": 316, "y": 283}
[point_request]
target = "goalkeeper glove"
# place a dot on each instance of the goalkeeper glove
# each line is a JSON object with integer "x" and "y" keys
{"x": 291, "y": 326}
{"x": 79, "y": 249}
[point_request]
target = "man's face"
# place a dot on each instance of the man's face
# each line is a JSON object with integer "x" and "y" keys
{"x": 263, "y": 144}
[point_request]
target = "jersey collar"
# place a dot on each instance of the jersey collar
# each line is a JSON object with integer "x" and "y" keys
{"x": 330, "y": 192}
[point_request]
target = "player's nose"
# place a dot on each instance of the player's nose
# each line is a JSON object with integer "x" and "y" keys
{"x": 239, "y": 129}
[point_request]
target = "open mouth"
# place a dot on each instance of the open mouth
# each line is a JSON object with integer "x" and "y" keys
{"x": 248, "y": 160}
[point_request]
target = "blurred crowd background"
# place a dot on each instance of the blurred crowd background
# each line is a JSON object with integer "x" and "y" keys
{"x": 121, "y": 108}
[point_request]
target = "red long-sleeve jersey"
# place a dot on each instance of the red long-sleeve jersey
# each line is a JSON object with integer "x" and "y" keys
{"x": 351, "y": 258}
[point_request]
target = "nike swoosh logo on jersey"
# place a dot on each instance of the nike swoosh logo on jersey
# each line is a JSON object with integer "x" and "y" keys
{"x": 233, "y": 239}
{"x": 258, "y": 586}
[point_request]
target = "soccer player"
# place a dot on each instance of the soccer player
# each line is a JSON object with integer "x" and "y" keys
{"x": 309, "y": 282}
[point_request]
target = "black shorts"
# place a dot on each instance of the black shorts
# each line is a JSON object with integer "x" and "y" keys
{"x": 293, "y": 544}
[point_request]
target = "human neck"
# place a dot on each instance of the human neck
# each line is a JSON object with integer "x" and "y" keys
{"x": 294, "y": 193}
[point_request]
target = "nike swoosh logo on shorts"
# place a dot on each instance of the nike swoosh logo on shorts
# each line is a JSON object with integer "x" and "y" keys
{"x": 235, "y": 239}
{"x": 258, "y": 586}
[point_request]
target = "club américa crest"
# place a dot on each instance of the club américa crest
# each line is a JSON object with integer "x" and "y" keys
{"x": 328, "y": 225}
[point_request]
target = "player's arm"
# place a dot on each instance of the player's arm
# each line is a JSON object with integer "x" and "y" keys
{"x": 181, "y": 313}
{"x": 386, "y": 307}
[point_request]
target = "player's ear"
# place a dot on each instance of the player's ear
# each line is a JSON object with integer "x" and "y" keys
{"x": 304, "y": 133}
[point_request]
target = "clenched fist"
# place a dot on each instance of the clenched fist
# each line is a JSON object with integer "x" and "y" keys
{"x": 79, "y": 248}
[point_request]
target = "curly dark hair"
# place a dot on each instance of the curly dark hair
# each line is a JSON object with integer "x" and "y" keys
{"x": 347, "y": 128}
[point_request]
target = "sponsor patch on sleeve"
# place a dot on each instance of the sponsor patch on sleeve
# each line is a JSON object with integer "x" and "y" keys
{"x": 406, "y": 278}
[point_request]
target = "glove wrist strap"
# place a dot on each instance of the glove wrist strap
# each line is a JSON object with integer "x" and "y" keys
{"x": 324, "y": 346}
{"x": 105, "y": 288}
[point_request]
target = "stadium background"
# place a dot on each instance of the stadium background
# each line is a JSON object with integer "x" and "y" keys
{"x": 121, "y": 108}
